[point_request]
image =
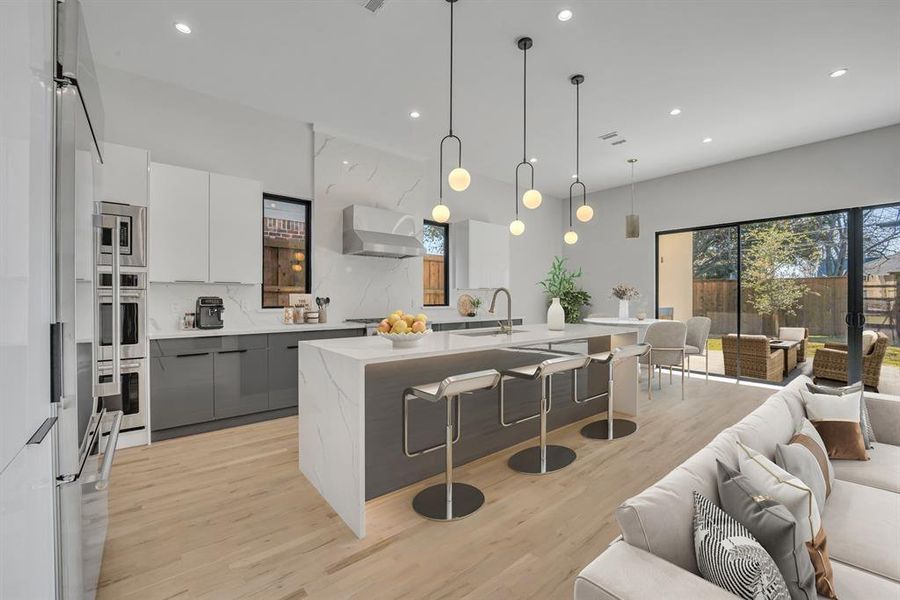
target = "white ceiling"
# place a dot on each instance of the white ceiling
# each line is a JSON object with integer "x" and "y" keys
{"x": 752, "y": 75}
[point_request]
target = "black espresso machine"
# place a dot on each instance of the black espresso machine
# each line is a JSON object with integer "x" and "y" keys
{"x": 209, "y": 313}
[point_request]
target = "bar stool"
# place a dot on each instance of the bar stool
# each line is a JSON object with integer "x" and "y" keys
{"x": 542, "y": 458}
{"x": 448, "y": 501}
{"x": 610, "y": 428}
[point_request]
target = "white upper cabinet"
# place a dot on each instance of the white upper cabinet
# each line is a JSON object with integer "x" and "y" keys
{"x": 482, "y": 255}
{"x": 178, "y": 224}
{"x": 125, "y": 173}
{"x": 235, "y": 229}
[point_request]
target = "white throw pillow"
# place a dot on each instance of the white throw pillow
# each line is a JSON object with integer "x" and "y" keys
{"x": 784, "y": 488}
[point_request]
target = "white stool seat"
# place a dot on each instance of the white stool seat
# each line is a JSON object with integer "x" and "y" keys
{"x": 427, "y": 391}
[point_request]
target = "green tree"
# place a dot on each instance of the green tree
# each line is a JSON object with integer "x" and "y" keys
{"x": 772, "y": 263}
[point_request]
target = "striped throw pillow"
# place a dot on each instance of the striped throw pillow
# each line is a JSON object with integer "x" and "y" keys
{"x": 729, "y": 556}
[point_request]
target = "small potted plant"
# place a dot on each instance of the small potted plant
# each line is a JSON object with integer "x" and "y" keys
{"x": 476, "y": 304}
{"x": 625, "y": 293}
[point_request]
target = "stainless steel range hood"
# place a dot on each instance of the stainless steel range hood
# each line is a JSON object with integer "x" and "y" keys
{"x": 372, "y": 231}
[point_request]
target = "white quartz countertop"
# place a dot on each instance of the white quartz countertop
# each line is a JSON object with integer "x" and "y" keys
{"x": 277, "y": 328}
{"x": 377, "y": 349}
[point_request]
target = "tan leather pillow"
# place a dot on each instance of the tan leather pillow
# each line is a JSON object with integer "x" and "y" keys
{"x": 836, "y": 418}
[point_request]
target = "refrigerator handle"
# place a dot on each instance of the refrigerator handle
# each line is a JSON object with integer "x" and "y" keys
{"x": 110, "y": 452}
{"x": 114, "y": 387}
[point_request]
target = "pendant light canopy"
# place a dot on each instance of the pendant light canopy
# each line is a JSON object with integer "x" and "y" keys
{"x": 570, "y": 236}
{"x": 632, "y": 221}
{"x": 458, "y": 179}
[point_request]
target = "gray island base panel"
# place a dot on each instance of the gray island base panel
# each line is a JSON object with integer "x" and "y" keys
{"x": 351, "y": 411}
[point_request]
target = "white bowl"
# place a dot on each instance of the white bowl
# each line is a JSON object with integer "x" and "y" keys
{"x": 404, "y": 340}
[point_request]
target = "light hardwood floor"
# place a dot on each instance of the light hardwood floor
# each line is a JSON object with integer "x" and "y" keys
{"x": 227, "y": 515}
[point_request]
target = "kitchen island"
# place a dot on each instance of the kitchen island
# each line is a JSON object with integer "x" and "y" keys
{"x": 351, "y": 404}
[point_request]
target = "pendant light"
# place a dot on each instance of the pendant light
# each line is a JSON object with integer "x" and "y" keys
{"x": 584, "y": 213}
{"x": 570, "y": 236}
{"x": 459, "y": 178}
{"x": 632, "y": 221}
{"x": 531, "y": 198}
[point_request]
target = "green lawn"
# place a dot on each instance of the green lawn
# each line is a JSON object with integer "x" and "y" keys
{"x": 892, "y": 358}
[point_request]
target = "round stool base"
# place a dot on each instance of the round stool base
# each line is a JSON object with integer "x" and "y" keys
{"x": 528, "y": 461}
{"x": 431, "y": 502}
{"x": 599, "y": 430}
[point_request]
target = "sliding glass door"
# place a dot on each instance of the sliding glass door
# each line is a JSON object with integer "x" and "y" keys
{"x": 817, "y": 295}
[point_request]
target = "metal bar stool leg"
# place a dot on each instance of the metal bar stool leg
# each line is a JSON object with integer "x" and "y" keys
{"x": 609, "y": 428}
{"x": 543, "y": 458}
{"x": 448, "y": 501}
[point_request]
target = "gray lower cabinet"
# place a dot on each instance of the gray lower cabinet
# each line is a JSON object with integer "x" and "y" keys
{"x": 181, "y": 390}
{"x": 205, "y": 383}
{"x": 241, "y": 385}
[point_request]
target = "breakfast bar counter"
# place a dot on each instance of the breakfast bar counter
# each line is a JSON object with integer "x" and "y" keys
{"x": 351, "y": 403}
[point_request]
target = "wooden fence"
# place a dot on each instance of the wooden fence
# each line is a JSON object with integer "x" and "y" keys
{"x": 821, "y": 309}
{"x": 433, "y": 276}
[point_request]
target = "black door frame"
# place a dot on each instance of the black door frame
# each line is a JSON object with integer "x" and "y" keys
{"x": 854, "y": 315}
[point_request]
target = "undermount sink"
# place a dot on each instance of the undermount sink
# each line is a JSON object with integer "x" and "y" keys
{"x": 484, "y": 332}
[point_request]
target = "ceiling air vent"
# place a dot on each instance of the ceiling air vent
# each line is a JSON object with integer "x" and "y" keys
{"x": 609, "y": 136}
{"x": 619, "y": 142}
{"x": 373, "y": 5}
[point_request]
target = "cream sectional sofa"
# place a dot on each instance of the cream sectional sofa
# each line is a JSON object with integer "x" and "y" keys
{"x": 654, "y": 556}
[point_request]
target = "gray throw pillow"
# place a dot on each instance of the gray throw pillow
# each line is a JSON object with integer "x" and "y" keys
{"x": 773, "y": 526}
{"x": 800, "y": 462}
{"x": 865, "y": 424}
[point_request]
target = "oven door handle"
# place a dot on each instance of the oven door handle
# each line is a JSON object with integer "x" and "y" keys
{"x": 114, "y": 223}
{"x": 128, "y": 366}
{"x": 107, "y": 295}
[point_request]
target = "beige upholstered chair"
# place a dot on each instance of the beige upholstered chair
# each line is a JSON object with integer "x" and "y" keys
{"x": 697, "y": 336}
{"x": 757, "y": 359}
{"x": 830, "y": 362}
{"x": 796, "y": 334}
{"x": 666, "y": 339}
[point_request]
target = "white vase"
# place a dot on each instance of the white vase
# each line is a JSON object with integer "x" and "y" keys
{"x": 556, "y": 316}
{"x": 623, "y": 309}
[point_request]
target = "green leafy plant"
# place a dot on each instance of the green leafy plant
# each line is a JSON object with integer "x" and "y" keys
{"x": 476, "y": 304}
{"x": 563, "y": 284}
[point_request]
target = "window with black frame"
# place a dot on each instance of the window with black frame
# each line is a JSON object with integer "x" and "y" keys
{"x": 287, "y": 245}
{"x": 436, "y": 264}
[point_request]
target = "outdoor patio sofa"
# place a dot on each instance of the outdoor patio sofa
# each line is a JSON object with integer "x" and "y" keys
{"x": 757, "y": 359}
{"x": 830, "y": 362}
{"x": 654, "y": 556}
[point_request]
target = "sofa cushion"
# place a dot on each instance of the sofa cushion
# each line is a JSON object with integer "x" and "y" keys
{"x": 773, "y": 526}
{"x": 863, "y": 525}
{"x": 855, "y": 584}
{"x": 659, "y": 519}
{"x": 797, "y": 460}
{"x": 770, "y": 424}
{"x": 882, "y": 471}
{"x": 808, "y": 436}
{"x": 729, "y": 556}
{"x": 837, "y": 420}
{"x": 869, "y": 338}
{"x": 790, "y": 394}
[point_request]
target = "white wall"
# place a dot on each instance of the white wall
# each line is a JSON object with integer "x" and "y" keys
{"x": 857, "y": 170}
{"x": 186, "y": 128}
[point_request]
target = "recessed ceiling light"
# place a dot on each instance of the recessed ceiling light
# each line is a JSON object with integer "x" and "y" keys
{"x": 707, "y": 140}
{"x": 532, "y": 160}
{"x": 414, "y": 114}
{"x": 838, "y": 73}
{"x": 183, "y": 28}
{"x": 564, "y": 15}
{"x": 675, "y": 112}
{"x": 346, "y": 162}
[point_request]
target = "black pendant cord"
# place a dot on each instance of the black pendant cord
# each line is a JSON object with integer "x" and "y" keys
{"x": 577, "y": 80}
{"x": 524, "y": 44}
{"x": 632, "y": 161}
{"x": 450, "y": 133}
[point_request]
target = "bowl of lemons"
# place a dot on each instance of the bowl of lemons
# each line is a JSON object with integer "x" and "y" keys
{"x": 403, "y": 329}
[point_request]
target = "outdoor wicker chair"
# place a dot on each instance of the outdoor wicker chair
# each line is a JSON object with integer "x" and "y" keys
{"x": 830, "y": 362}
{"x": 758, "y": 360}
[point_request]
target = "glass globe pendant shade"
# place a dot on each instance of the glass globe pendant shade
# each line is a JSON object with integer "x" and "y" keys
{"x": 571, "y": 237}
{"x": 440, "y": 213}
{"x": 517, "y": 227}
{"x": 532, "y": 199}
{"x": 584, "y": 213}
{"x": 459, "y": 179}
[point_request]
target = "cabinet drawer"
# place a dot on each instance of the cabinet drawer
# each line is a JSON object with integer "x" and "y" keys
{"x": 240, "y": 382}
{"x": 181, "y": 390}
{"x": 176, "y": 346}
